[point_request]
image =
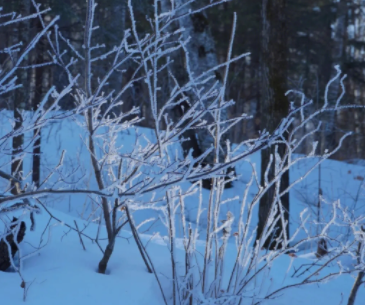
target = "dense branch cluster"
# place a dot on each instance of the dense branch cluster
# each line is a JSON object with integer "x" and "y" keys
{"x": 151, "y": 174}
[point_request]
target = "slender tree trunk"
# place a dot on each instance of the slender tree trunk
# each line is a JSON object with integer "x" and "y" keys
{"x": 274, "y": 107}
{"x": 91, "y": 145}
{"x": 360, "y": 277}
{"x": 106, "y": 257}
{"x": 255, "y": 74}
{"x": 21, "y": 95}
{"x": 40, "y": 83}
{"x": 355, "y": 288}
{"x": 17, "y": 164}
{"x": 330, "y": 139}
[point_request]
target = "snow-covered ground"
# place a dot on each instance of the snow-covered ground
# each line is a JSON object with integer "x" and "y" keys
{"x": 62, "y": 273}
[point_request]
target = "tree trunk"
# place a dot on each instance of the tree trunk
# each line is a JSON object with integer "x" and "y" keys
{"x": 329, "y": 134}
{"x": 21, "y": 95}
{"x": 202, "y": 57}
{"x": 107, "y": 254}
{"x": 274, "y": 107}
{"x": 361, "y": 275}
{"x": 355, "y": 288}
{"x": 41, "y": 84}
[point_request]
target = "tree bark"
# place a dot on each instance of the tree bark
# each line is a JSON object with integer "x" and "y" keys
{"x": 21, "y": 95}
{"x": 330, "y": 142}
{"x": 274, "y": 107}
{"x": 107, "y": 254}
{"x": 202, "y": 57}
{"x": 41, "y": 82}
{"x": 355, "y": 288}
{"x": 361, "y": 275}
{"x": 91, "y": 145}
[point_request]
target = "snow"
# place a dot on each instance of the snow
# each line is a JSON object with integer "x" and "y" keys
{"x": 62, "y": 273}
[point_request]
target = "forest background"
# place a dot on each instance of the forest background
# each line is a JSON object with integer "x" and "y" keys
{"x": 317, "y": 36}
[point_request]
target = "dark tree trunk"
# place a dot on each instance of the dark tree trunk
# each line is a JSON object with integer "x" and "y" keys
{"x": 17, "y": 164}
{"x": 40, "y": 85}
{"x": 107, "y": 254}
{"x": 355, "y": 288}
{"x": 21, "y": 95}
{"x": 36, "y": 158}
{"x": 5, "y": 261}
{"x": 274, "y": 107}
{"x": 330, "y": 140}
{"x": 361, "y": 275}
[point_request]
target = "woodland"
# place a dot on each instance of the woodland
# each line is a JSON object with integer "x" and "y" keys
{"x": 230, "y": 132}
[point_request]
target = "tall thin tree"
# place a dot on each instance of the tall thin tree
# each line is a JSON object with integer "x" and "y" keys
{"x": 21, "y": 96}
{"x": 274, "y": 107}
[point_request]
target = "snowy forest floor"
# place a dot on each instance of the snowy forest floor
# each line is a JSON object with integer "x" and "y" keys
{"x": 61, "y": 272}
